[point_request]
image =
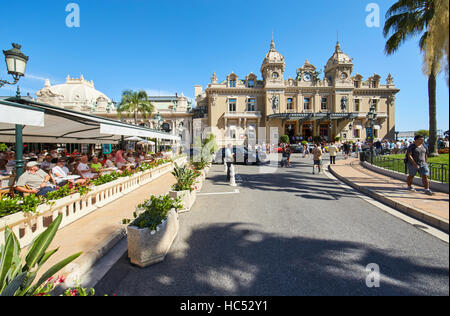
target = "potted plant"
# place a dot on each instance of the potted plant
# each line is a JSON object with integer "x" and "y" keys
{"x": 184, "y": 188}
{"x": 152, "y": 232}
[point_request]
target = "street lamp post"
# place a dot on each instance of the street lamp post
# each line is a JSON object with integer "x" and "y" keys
{"x": 371, "y": 117}
{"x": 158, "y": 123}
{"x": 16, "y": 63}
{"x": 331, "y": 131}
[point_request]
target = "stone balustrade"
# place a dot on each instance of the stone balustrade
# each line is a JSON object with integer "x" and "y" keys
{"x": 27, "y": 226}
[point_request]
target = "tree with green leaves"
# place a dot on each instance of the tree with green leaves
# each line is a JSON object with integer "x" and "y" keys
{"x": 284, "y": 139}
{"x": 406, "y": 19}
{"x": 422, "y": 132}
{"x": 135, "y": 102}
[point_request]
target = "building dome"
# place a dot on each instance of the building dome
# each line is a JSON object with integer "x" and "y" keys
{"x": 339, "y": 57}
{"x": 77, "y": 94}
{"x": 273, "y": 65}
{"x": 273, "y": 56}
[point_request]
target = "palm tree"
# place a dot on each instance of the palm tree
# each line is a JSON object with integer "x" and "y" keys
{"x": 406, "y": 19}
{"x": 437, "y": 48}
{"x": 134, "y": 103}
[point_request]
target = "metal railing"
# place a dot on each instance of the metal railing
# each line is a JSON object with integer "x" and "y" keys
{"x": 438, "y": 171}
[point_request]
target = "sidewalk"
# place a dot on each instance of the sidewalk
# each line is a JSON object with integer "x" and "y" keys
{"x": 98, "y": 232}
{"x": 434, "y": 210}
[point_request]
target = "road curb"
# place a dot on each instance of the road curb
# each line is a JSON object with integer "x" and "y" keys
{"x": 75, "y": 270}
{"x": 424, "y": 216}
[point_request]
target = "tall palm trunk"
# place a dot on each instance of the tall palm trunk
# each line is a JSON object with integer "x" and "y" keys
{"x": 432, "y": 146}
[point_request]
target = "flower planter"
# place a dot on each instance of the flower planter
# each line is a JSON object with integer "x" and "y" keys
{"x": 146, "y": 247}
{"x": 187, "y": 199}
{"x": 199, "y": 183}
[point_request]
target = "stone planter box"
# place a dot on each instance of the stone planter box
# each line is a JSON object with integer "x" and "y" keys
{"x": 146, "y": 248}
{"x": 187, "y": 199}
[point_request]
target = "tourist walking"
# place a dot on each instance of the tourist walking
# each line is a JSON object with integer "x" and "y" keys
{"x": 288, "y": 154}
{"x": 346, "y": 147}
{"x": 417, "y": 161}
{"x": 332, "y": 150}
{"x": 306, "y": 150}
{"x": 317, "y": 157}
{"x": 284, "y": 155}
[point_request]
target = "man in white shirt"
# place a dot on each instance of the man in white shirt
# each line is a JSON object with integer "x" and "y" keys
{"x": 84, "y": 169}
{"x": 332, "y": 149}
{"x": 109, "y": 162}
{"x": 60, "y": 171}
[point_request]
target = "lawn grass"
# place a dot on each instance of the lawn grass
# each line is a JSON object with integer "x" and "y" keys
{"x": 439, "y": 173}
{"x": 440, "y": 159}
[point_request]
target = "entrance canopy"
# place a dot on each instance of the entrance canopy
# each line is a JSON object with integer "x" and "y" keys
{"x": 313, "y": 116}
{"x": 43, "y": 123}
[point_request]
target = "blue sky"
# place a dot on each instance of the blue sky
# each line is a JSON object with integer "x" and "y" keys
{"x": 170, "y": 46}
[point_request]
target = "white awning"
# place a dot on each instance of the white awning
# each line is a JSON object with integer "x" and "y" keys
{"x": 67, "y": 126}
{"x": 376, "y": 127}
{"x": 358, "y": 127}
{"x": 134, "y": 138}
{"x": 20, "y": 114}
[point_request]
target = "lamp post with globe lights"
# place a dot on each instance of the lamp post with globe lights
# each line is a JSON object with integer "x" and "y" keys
{"x": 16, "y": 63}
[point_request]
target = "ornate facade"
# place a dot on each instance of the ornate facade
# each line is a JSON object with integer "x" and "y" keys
{"x": 80, "y": 95}
{"x": 76, "y": 94}
{"x": 334, "y": 106}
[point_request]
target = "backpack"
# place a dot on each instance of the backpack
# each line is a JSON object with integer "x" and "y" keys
{"x": 406, "y": 159}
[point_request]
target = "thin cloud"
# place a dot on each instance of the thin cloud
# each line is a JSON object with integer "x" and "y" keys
{"x": 31, "y": 76}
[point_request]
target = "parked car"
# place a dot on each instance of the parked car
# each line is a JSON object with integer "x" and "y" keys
{"x": 241, "y": 156}
{"x": 297, "y": 149}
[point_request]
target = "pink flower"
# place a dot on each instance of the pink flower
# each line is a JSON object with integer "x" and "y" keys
{"x": 61, "y": 279}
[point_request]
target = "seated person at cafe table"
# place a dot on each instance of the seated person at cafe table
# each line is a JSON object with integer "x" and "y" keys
{"x": 3, "y": 169}
{"x": 85, "y": 171}
{"x": 109, "y": 162}
{"x": 36, "y": 179}
{"x": 47, "y": 163}
{"x": 61, "y": 173}
{"x": 96, "y": 165}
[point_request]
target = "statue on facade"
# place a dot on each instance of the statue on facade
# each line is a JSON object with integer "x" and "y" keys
{"x": 214, "y": 78}
{"x": 275, "y": 102}
{"x": 389, "y": 80}
{"x": 344, "y": 101}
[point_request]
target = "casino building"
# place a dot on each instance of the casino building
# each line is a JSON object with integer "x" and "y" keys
{"x": 336, "y": 105}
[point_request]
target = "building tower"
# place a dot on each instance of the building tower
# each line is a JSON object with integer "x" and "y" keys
{"x": 273, "y": 66}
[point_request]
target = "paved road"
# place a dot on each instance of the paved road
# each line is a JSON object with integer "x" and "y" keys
{"x": 287, "y": 233}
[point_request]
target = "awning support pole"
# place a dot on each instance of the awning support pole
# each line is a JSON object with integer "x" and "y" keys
{"x": 19, "y": 151}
